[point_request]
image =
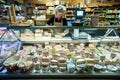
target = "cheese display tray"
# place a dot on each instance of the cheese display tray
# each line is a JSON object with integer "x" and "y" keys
{"x": 67, "y": 56}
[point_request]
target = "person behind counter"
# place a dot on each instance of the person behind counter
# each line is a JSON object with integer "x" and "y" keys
{"x": 58, "y": 20}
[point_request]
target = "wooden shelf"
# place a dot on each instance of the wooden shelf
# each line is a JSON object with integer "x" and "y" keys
{"x": 50, "y": 14}
{"x": 92, "y": 6}
{"x": 40, "y": 4}
{"x": 68, "y": 12}
{"x": 89, "y": 11}
{"x": 41, "y": 20}
{"x": 2, "y": 2}
{"x": 104, "y": 5}
{"x": 111, "y": 18}
{"x": 69, "y": 15}
{"x": 41, "y": 8}
{"x": 99, "y": 11}
{"x": 116, "y": 3}
{"x": 70, "y": 19}
{"x": 102, "y": 16}
{"x": 71, "y": 8}
{"x": 112, "y": 13}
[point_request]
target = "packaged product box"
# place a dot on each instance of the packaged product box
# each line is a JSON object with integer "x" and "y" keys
{"x": 94, "y": 20}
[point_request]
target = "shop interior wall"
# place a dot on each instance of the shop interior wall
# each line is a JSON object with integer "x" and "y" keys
{"x": 72, "y": 2}
{"x": 45, "y": 1}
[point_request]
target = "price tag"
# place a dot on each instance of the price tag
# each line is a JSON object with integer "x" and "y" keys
{"x": 37, "y": 30}
{"x": 113, "y": 55}
{"x": 87, "y": 55}
{"x": 107, "y": 47}
{"x": 102, "y": 58}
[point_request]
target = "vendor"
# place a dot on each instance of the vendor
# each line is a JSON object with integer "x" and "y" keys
{"x": 59, "y": 20}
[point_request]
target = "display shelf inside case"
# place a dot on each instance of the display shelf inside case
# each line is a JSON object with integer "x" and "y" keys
{"x": 69, "y": 40}
{"x": 97, "y": 35}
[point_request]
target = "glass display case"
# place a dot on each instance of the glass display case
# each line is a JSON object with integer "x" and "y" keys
{"x": 43, "y": 54}
{"x": 9, "y": 44}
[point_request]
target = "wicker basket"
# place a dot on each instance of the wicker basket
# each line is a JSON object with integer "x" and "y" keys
{"x": 40, "y": 22}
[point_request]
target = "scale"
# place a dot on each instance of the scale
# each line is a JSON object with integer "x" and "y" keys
{"x": 79, "y": 15}
{"x": 80, "y": 35}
